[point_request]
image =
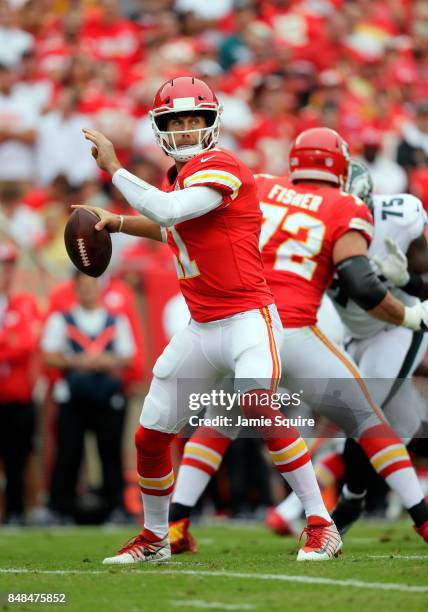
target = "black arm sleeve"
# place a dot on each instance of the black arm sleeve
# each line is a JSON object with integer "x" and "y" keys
{"x": 360, "y": 282}
{"x": 414, "y": 285}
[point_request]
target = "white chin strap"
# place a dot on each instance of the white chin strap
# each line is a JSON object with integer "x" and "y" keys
{"x": 185, "y": 153}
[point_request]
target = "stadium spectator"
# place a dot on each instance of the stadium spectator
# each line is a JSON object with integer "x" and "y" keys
{"x": 19, "y": 114}
{"x": 274, "y": 125}
{"x": 412, "y": 150}
{"x": 233, "y": 49}
{"x": 19, "y": 330}
{"x": 21, "y": 223}
{"x": 51, "y": 245}
{"x": 91, "y": 348}
{"x": 108, "y": 35}
{"x": 14, "y": 42}
{"x": 387, "y": 175}
{"x": 60, "y": 148}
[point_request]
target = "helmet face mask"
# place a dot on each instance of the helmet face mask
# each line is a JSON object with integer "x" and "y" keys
{"x": 319, "y": 154}
{"x": 185, "y": 96}
{"x": 207, "y": 136}
{"x": 360, "y": 182}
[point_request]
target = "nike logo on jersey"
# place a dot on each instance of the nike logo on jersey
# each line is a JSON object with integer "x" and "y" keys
{"x": 204, "y": 159}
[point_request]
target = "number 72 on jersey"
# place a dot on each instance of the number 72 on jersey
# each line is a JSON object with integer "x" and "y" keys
{"x": 294, "y": 253}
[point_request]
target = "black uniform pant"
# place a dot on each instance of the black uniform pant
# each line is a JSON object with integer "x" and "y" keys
{"x": 16, "y": 440}
{"x": 74, "y": 419}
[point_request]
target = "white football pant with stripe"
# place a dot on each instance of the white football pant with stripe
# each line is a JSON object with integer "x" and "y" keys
{"x": 244, "y": 346}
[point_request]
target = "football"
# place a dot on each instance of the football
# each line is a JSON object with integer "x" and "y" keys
{"x": 89, "y": 249}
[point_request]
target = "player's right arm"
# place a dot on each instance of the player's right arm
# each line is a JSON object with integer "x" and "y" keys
{"x": 364, "y": 287}
{"x": 127, "y": 224}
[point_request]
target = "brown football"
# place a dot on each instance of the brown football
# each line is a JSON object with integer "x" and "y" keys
{"x": 89, "y": 249}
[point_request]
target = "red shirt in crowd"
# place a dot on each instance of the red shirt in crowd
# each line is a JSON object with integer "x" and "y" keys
{"x": 19, "y": 334}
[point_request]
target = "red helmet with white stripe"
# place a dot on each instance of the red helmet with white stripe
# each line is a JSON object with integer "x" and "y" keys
{"x": 185, "y": 95}
{"x": 319, "y": 154}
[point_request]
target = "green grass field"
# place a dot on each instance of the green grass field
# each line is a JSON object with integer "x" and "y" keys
{"x": 384, "y": 566}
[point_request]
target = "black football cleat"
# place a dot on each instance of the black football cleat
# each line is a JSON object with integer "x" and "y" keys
{"x": 347, "y": 512}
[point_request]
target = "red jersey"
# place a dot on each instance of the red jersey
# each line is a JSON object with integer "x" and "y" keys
{"x": 301, "y": 226}
{"x": 217, "y": 256}
{"x": 19, "y": 332}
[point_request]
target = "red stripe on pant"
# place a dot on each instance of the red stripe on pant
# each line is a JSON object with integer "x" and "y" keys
{"x": 153, "y": 457}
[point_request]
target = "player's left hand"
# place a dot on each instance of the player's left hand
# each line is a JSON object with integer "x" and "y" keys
{"x": 102, "y": 151}
{"x": 394, "y": 267}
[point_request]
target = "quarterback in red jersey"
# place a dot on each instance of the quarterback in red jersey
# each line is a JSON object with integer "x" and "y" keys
{"x": 209, "y": 214}
{"x": 311, "y": 230}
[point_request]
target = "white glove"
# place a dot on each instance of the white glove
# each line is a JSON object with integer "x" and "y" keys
{"x": 416, "y": 317}
{"x": 394, "y": 267}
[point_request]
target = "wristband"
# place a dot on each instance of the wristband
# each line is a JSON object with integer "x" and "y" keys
{"x": 121, "y": 223}
{"x": 414, "y": 285}
{"x": 412, "y": 318}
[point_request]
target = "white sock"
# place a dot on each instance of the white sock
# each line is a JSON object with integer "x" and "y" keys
{"x": 305, "y": 485}
{"x": 190, "y": 485}
{"x": 406, "y": 484}
{"x": 156, "y": 509}
{"x": 291, "y": 508}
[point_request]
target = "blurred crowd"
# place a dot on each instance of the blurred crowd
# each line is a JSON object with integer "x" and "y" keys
{"x": 278, "y": 67}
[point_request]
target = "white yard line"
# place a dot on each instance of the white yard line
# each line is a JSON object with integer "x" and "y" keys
{"x": 359, "y": 584}
{"x": 197, "y": 603}
{"x": 405, "y": 557}
{"x": 22, "y": 570}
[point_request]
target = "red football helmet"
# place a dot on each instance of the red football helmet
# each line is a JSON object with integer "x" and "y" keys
{"x": 319, "y": 154}
{"x": 181, "y": 95}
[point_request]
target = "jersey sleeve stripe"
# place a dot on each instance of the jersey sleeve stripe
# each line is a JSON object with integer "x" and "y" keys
{"x": 213, "y": 176}
{"x": 360, "y": 224}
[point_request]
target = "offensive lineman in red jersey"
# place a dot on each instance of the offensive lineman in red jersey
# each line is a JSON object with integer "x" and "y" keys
{"x": 208, "y": 212}
{"x": 312, "y": 229}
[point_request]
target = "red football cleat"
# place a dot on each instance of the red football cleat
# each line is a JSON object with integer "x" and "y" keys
{"x": 276, "y": 523}
{"x": 143, "y": 548}
{"x": 422, "y": 530}
{"x": 323, "y": 540}
{"x": 180, "y": 538}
